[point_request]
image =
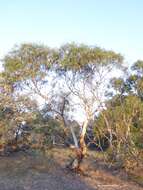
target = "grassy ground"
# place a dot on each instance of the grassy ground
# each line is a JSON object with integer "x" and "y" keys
{"x": 37, "y": 172}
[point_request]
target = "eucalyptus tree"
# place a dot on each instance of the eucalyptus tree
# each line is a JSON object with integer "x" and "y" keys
{"x": 12, "y": 113}
{"x": 123, "y": 114}
{"x": 86, "y": 71}
{"x": 26, "y": 68}
{"x": 29, "y": 73}
{"x": 24, "y": 74}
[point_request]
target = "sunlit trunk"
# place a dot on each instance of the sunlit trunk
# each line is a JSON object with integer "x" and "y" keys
{"x": 81, "y": 150}
{"x": 74, "y": 137}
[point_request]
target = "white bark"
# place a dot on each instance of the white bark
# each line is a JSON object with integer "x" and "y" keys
{"x": 74, "y": 137}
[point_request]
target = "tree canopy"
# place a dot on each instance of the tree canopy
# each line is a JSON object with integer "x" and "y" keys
{"x": 51, "y": 87}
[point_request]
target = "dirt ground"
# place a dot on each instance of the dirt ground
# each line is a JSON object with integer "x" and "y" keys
{"x": 22, "y": 171}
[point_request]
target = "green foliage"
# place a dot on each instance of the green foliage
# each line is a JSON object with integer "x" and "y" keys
{"x": 138, "y": 66}
{"x": 28, "y": 61}
{"x": 45, "y": 131}
{"x": 125, "y": 119}
{"x": 75, "y": 56}
{"x": 29, "y": 65}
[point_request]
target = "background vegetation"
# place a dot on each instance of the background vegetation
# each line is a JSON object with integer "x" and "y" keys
{"x": 72, "y": 97}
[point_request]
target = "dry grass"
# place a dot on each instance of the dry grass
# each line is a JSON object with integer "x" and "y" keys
{"x": 47, "y": 172}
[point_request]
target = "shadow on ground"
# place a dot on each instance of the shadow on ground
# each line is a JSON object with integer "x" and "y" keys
{"x": 22, "y": 171}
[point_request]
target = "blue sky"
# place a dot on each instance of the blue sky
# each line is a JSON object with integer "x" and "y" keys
{"x": 112, "y": 24}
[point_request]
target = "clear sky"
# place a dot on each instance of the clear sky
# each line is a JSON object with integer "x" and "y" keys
{"x": 112, "y": 24}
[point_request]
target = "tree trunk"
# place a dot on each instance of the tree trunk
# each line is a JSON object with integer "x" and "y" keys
{"x": 74, "y": 137}
{"x": 110, "y": 139}
{"x": 80, "y": 151}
